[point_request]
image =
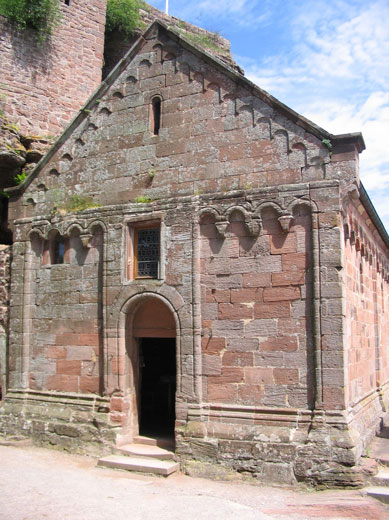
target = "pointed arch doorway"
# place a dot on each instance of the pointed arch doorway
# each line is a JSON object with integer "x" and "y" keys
{"x": 155, "y": 361}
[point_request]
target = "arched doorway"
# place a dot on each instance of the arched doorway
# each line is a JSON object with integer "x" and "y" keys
{"x": 154, "y": 362}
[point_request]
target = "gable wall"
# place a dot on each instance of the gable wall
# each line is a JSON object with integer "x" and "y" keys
{"x": 215, "y": 136}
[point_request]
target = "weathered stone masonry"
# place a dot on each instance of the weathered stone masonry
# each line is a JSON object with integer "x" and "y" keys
{"x": 44, "y": 85}
{"x": 257, "y": 275}
{"x": 4, "y": 302}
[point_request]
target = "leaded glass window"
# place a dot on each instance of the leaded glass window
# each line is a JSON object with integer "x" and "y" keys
{"x": 147, "y": 252}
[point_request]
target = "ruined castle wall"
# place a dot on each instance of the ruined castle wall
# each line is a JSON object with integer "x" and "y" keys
{"x": 45, "y": 85}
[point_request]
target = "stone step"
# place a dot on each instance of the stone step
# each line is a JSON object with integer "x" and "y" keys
{"x": 146, "y": 450}
{"x": 141, "y": 439}
{"x": 141, "y": 465}
{"x": 379, "y": 492}
{"x": 381, "y": 479}
{"x": 162, "y": 442}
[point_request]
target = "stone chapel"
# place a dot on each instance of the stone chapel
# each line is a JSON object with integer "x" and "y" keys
{"x": 194, "y": 259}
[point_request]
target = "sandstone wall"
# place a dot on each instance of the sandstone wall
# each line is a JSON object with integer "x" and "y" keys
{"x": 44, "y": 86}
{"x": 5, "y": 258}
{"x": 366, "y": 324}
{"x": 257, "y": 313}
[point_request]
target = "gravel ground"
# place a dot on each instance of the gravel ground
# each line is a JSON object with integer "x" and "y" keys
{"x": 40, "y": 484}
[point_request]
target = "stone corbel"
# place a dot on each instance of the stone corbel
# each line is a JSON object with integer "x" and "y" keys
{"x": 285, "y": 222}
{"x": 253, "y": 226}
{"x": 221, "y": 227}
{"x": 86, "y": 239}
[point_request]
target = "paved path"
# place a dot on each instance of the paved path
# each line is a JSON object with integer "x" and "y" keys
{"x": 42, "y": 484}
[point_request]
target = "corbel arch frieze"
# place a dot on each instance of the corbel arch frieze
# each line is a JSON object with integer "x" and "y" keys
{"x": 36, "y": 232}
{"x": 221, "y": 222}
{"x": 253, "y": 223}
{"x": 310, "y": 204}
{"x": 285, "y": 217}
{"x": 85, "y": 230}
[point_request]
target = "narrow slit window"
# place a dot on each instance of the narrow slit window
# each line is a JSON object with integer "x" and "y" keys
{"x": 156, "y": 122}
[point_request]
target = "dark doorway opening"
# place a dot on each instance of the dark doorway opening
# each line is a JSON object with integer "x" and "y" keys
{"x": 157, "y": 366}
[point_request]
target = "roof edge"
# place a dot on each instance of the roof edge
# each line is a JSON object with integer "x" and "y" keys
{"x": 355, "y": 138}
{"x": 371, "y": 211}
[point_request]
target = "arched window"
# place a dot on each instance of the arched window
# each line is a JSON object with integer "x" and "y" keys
{"x": 58, "y": 251}
{"x": 55, "y": 250}
{"x": 156, "y": 115}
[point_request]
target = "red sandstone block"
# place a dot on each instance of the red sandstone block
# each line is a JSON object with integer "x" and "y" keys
{"x": 212, "y": 345}
{"x": 235, "y": 311}
{"x": 294, "y": 261}
{"x": 91, "y": 340}
{"x": 334, "y": 398}
{"x": 56, "y": 352}
{"x": 228, "y": 375}
{"x": 285, "y": 243}
{"x": 117, "y": 417}
{"x": 231, "y": 153}
{"x": 238, "y": 359}
{"x": 242, "y": 344}
{"x": 217, "y": 266}
{"x": 89, "y": 384}
{"x": 246, "y": 295}
{"x": 224, "y": 393}
{"x": 62, "y": 383}
{"x": 259, "y": 147}
{"x": 217, "y": 295}
{"x": 286, "y": 376}
{"x": 272, "y": 310}
{"x": 171, "y": 148}
{"x": 288, "y": 278}
{"x": 256, "y": 280}
{"x": 211, "y": 365}
{"x": 282, "y": 343}
{"x": 276, "y": 294}
{"x": 68, "y": 367}
{"x": 258, "y": 376}
{"x": 251, "y": 394}
{"x": 116, "y": 404}
{"x": 67, "y": 339}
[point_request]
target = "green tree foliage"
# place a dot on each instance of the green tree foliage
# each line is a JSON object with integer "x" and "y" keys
{"x": 41, "y": 15}
{"x": 123, "y": 16}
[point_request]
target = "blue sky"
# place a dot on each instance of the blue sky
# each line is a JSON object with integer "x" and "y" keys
{"x": 328, "y": 60}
